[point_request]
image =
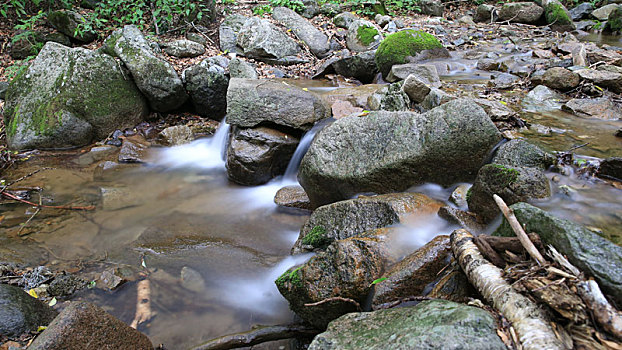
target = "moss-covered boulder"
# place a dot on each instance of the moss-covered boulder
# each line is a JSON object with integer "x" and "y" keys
{"x": 591, "y": 253}
{"x": 155, "y": 77}
{"x": 558, "y": 16}
{"x": 345, "y": 269}
{"x": 351, "y": 217}
{"x": 432, "y": 324}
{"x": 614, "y": 21}
{"x": 67, "y": 22}
{"x": 362, "y": 36}
{"x": 386, "y": 152}
{"x": 398, "y": 47}
{"x": 70, "y": 97}
{"x": 512, "y": 184}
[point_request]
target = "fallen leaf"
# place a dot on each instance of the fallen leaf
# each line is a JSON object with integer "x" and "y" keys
{"x": 33, "y": 294}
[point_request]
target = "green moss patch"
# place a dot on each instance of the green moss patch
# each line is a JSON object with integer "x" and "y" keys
{"x": 316, "y": 237}
{"x": 366, "y": 34}
{"x": 398, "y": 46}
{"x": 556, "y": 14}
{"x": 292, "y": 277}
{"x": 505, "y": 174}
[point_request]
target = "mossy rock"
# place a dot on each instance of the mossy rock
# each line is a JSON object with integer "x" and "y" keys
{"x": 397, "y": 47}
{"x": 614, "y": 22}
{"x": 362, "y": 36}
{"x": 558, "y": 17}
{"x": 70, "y": 97}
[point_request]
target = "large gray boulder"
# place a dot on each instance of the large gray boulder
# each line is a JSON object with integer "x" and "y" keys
{"x": 431, "y": 325}
{"x": 391, "y": 151}
{"x": 316, "y": 40}
{"x": 262, "y": 40}
{"x": 70, "y": 97}
{"x": 255, "y": 156}
{"x": 521, "y": 12}
{"x": 520, "y": 153}
{"x": 345, "y": 269}
{"x": 602, "y": 13}
{"x": 207, "y": 84}
{"x": 591, "y": 253}
{"x": 252, "y": 101}
{"x": 351, "y": 217}
{"x": 228, "y": 33}
{"x": 581, "y": 11}
{"x": 156, "y": 78}
{"x": 20, "y": 313}
{"x": 88, "y": 327}
{"x": 512, "y": 184}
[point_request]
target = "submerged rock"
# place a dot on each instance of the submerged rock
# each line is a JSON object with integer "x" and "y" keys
{"x": 432, "y": 324}
{"x": 155, "y": 77}
{"x": 351, "y": 217}
{"x": 20, "y": 313}
{"x": 411, "y": 275}
{"x": 251, "y": 102}
{"x": 88, "y": 327}
{"x": 512, "y": 184}
{"x": 345, "y": 269}
{"x": 70, "y": 97}
{"x": 588, "y": 251}
{"x": 255, "y": 156}
{"x": 391, "y": 151}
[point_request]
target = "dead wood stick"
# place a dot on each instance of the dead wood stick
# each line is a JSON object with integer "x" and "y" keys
{"x": 512, "y": 244}
{"x": 605, "y": 314}
{"x": 10, "y": 196}
{"x": 518, "y": 229}
{"x": 489, "y": 252}
{"x": 257, "y": 336}
{"x": 143, "y": 303}
{"x": 328, "y": 300}
{"x": 534, "y": 330}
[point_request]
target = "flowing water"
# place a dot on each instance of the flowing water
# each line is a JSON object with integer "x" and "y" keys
{"x": 213, "y": 249}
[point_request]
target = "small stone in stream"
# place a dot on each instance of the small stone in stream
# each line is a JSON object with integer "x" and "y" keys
{"x": 88, "y": 327}
{"x": 605, "y": 79}
{"x": 601, "y": 107}
{"x": 466, "y": 220}
{"x": 488, "y": 64}
{"x": 107, "y": 171}
{"x": 560, "y": 78}
{"x": 20, "y": 313}
{"x": 65, "y": 285}
{"x": 581, "y": 11}
{"x": 109, "y": 280}
{"x": 611, "y": 168}
{"x": 342, "y": 109}
{"x": 184, "y": 48}
{"x": 292, "y": 197}
{"x": 504, "y": 81}
{"x": 95, "y": 154}
{"x": 133, "y": 150}
{"x": 458, "y": 195}
{"x": 416, "y": 89}
{"x": 192, "y": 280}
{"x": 242, "y": 69}
{"x": 176, "y": 135}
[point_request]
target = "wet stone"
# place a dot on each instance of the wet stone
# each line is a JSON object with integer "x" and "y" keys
{"x": 292, "y": 197}
{"x": 96, "y": 154}
{"x": 20, "y": 313}
{"x": 65, "y": 285}
{"x": 611, "y": 168}
{"x": 176, "y": 135}
{"x": 133, "y": 150}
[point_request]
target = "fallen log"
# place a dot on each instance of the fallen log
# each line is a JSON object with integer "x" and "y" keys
{"x": 532, "y": 327}
{"x": 605, "y": 314}
{"x": 258, "y": 336}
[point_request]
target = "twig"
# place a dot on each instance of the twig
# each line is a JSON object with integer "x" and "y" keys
{"x": 22, "y": 178}
{"x": 518, "y": 229}
{"x": 328, "y": 300}
{"x": 30, "y": 218}
{"x": 10, "y": 196}
{"x": 200, "y": 32}
{"x": 605, "y": 314}
{"x": 577, "y": 147}
{"x": 155, "y": 20}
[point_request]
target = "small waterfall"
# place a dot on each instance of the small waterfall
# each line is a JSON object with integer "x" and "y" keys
{"x": 204, "y": 153}
{"x": 301, "y": 150}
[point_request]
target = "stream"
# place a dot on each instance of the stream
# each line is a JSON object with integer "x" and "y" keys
{"x": 214, "y": 249}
